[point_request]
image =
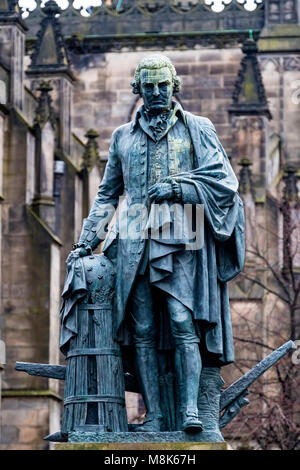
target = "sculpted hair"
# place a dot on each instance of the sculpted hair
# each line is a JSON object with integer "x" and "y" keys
{"x": 155, "y": 62}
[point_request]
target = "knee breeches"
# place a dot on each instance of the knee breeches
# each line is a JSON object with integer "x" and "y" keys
{"x": 145, "y": 321}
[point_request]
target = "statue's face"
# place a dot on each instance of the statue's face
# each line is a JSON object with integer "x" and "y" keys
{"x": 157, "y": 89}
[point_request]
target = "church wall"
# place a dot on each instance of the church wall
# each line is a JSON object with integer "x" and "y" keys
{"x": 25, "y": 324}
{"x": 103, "y": 99}
{"x": 25, "y": 421}
{"x": 281, "y": 76}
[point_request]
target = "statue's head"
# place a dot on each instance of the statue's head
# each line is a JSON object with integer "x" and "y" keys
{"x": 155, "y": 79}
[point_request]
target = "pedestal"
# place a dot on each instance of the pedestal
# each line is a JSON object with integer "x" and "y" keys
{"x": 183, "y": 446}
{"x": 140, "y": 441}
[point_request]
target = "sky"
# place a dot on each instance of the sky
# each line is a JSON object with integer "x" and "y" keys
{"x": 216, "y": 5}
{"x": 30, "y": 5}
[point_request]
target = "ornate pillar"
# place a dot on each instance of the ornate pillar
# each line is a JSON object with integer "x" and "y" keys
{"x": 59, "y": 171}
{"x": 247, "y": 193}
{"x": 250, "y": 114}
{"x": 43, "y": 202}
{"x": 50, "y": 61}
{"x": 91, "y": 165}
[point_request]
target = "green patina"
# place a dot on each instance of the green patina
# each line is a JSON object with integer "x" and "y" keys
{"x": 160, "y": 138}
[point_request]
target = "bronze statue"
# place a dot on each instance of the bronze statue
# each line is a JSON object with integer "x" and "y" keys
{"x": 168, "y": 297}
{"x": 151, "y": 313}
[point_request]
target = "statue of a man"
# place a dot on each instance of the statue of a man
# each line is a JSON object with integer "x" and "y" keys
{"x": 167, "y": 155}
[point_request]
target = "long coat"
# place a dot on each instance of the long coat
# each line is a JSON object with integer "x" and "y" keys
{"x": 213, "y": 184}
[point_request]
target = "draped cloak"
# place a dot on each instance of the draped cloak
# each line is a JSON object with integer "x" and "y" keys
{"x": 213, "y": 184}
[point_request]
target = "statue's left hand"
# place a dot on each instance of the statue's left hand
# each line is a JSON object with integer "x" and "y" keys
{"x": 78, "y": 252}
{"x": 161, "y": 191}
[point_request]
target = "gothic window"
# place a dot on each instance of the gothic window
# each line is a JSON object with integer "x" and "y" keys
{"x": 2, "y": 92}
{"x": 282, "y": 11}
{"x": 30, "y": 168}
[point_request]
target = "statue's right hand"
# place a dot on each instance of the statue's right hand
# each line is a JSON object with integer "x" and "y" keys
{"x": 77, "y": 253}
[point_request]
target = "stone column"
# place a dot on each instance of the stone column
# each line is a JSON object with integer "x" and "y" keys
{"x": 50, "y": 61}
{"x": 90, "y": 171}
{"x": 250, "y": 115}
{"x": 3, "y": 113}
{"x": 247, "y": 193}
{"x": 43, "y": 202}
